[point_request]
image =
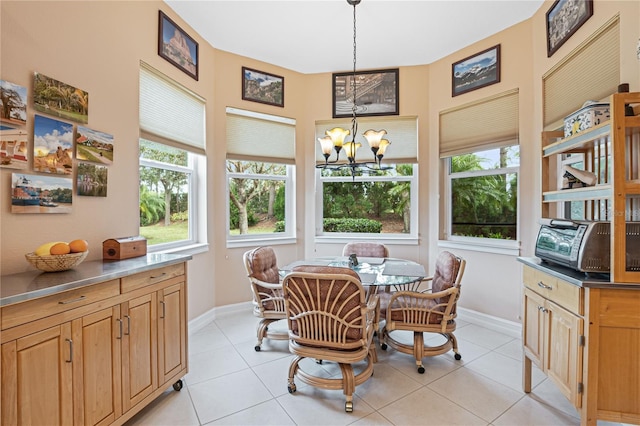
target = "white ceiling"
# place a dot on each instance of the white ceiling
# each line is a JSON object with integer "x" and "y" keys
{"x": 314, "y": 36}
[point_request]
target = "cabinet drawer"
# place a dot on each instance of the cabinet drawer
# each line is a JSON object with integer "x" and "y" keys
{"x": 153, "y": 276}
{"x": 22, "y": 313}
{"x": 567, "y": 295}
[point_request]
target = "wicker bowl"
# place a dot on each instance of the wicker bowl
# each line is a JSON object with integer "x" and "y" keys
{"x": 56, "y": 262}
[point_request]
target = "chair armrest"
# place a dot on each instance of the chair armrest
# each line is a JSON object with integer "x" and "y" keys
{"x": 424, "y": 295}
{"x": 271, "y": 286}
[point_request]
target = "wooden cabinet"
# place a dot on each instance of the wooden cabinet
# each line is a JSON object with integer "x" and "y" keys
{"x": 586, "y": 336}
{"x": 553, "y": 336}
{"x": 94, "y": 355}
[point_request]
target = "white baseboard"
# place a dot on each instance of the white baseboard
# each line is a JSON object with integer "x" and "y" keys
{"x": 510, "y": 328}
{"x": 199, "y": 322}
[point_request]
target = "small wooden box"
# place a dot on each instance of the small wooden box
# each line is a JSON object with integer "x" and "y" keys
{"x": 124, "y": 248}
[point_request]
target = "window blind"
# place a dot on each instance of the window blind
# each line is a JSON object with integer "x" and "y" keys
{"x": 590, "y": 72}
{"x": 487, "y": 123}
{"x": 170, "y": 111}
{"x": 402, "y": 132}
{"x": 253, "y": 136}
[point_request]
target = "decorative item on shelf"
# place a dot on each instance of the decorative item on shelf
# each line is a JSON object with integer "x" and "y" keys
{"x": 56, "y": 262}
{"x": 591, "y": 114}
{"x": 573, "y": 177}
{"x": 124, "y": 248}
{"x": 335, "y": 138}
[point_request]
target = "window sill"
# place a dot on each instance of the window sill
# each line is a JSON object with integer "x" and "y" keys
{"x": 485, "y": 245}
{"x": 190, "y": 249}
{"x": 260, "y": 240}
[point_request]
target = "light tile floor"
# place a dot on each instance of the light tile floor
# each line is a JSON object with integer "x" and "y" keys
{"x": 229, "y": 383}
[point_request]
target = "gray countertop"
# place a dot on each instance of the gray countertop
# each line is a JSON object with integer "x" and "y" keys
{"x": 574, "y": 277}
{"x": 34, "y": 284}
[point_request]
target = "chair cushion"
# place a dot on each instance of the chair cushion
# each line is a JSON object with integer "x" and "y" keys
{"x": 435, "y": 317}
{"x": 444, "y": 277}
{"x": 264, "y": 267}
{"x": 366, "y": 250}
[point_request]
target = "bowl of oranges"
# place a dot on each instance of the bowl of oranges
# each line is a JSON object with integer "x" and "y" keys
{"x": 59, "y": 255}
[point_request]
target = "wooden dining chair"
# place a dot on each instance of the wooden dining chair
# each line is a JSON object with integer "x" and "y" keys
{"x": 268, "y": 302}
{"x": 330, "y": 319}
{"x": 431, "y": 311}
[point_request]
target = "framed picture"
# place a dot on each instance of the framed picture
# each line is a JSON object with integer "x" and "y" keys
{"x": 40, "y": 194}
{"x": 476, "y": 71}
{"x": 95, "y": 146}
{"x": 563, "y": 19}
{"x": 377, "y": 93}
{"x": 52, "y": 146}
{"x": 46, "y": 99}
{"x": 177, "y": 47}
{"x": 92, "y": 180}
{"x": 15, "y": 98}
{"x": 14, "y": 153}
{"x": 258, "y": 86}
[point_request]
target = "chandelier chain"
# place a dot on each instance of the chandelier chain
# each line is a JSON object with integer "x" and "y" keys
{"x": 354, "y": 122}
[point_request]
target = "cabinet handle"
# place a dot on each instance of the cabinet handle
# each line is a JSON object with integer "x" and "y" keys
{"x": 128, "y": 325}
{"x": 120, "y": 328}
{"x": 158, "y": 276}
{"x": 70, "y": 350}
{"x": 65, "y": 302}
{"x": 543, "y": 309}
{"x": 543, "y": 285}
{"x": 163, "y": 309}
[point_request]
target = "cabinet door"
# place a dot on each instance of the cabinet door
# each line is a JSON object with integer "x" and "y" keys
{"x": 171, "y": 331}
{"x": 563, "y": 356}
{"x": 97, "y": 370}
{"x": 41, "y": 363}
{"x": 533, "y": 330}
{"x": 139, "y": 349}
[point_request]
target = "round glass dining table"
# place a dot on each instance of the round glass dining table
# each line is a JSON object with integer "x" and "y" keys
{"x": 372, "y": 271}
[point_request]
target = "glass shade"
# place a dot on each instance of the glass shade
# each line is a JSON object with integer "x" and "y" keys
{"x": 374, "y": 137}
{"x": 337, "y": 135}
{"x": 350, "y": 148}
{"x": 326, "y": 144}
{"x": 383, "y": 147}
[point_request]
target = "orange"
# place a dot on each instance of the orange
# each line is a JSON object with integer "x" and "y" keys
{"x": 60, "y": 248}
{"x": 78, "y": 246}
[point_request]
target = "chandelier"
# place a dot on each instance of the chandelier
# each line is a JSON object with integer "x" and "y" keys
{"x": 335, "y": 139}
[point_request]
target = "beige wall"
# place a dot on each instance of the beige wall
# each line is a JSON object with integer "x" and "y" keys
{"x": 97, "y": 46}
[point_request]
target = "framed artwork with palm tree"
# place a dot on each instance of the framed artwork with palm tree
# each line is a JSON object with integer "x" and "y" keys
{"x": 59, "y": 99}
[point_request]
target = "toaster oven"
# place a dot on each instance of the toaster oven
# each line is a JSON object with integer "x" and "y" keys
{"x": 585, "y": 245}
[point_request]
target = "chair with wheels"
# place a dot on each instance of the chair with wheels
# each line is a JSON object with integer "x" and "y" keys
{"x": 365, "y": 249}
{"x": 268, "y": 301}
{"x": 330, "y": 319}
{"x": 430, "y": 311}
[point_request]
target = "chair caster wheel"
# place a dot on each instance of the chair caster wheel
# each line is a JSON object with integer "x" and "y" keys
{"x": 257, "y": 348}
{"x": 291, "y": 388}
{"x": 348, "y": 407}
{"x": 383, "y": 346}
{"x": 178, "y": 385}
{"x": 421, "y": 369}
{"x": 458, "y": 357}
{"x": 318, "y": 361}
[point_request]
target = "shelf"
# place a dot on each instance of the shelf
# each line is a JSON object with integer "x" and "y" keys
{"x": 583, "y": 139}
{"x": 597, "y": 192}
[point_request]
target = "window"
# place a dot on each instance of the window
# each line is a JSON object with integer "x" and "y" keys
{"x": 369, "y": 205}
{"x": 172, "y": 164}
{"x": 483, "y": 194}
{"x": 380, "y": 204}
{"x": 481, "y": 158}
{"x": 260, "y": 172}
